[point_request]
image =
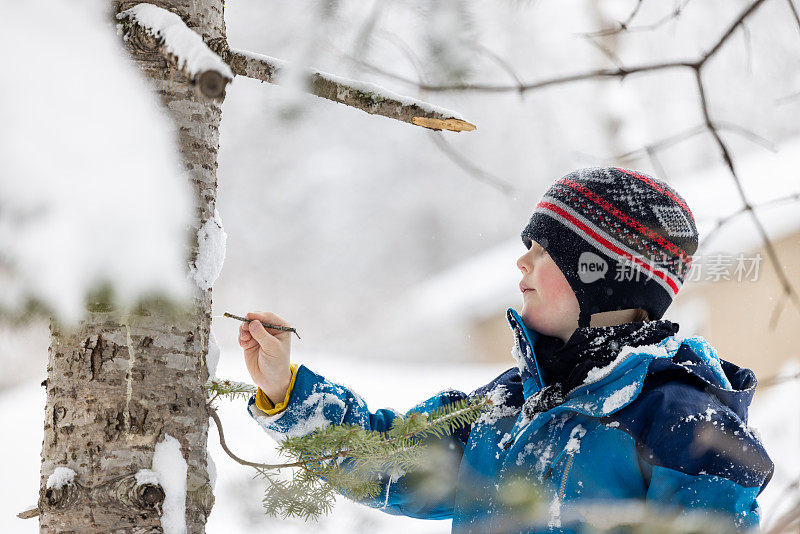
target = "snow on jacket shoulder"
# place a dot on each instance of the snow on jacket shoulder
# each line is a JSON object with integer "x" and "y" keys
{"x": 663, "y": 428}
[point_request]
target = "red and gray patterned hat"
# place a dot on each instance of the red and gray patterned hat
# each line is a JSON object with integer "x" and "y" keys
{"x": 621, "y": 238}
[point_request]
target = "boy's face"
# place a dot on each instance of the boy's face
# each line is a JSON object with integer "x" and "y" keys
{"x": 549, "y": 307}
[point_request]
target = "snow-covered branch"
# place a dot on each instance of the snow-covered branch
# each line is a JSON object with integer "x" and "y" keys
{"x": 181, "y": 46}
{"x": 365, "y": 96}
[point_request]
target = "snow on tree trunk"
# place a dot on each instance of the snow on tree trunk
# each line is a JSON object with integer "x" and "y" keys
{"x": 119, "y": 386}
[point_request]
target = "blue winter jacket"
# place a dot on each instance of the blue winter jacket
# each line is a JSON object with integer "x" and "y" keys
{"x": 662, "y": 429}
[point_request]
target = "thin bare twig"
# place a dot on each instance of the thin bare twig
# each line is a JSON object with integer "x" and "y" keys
{"x": 696, "y": 66}
{"x": 776, "y": 380}
{"x": 769, "y": 247}
{"x": 625, "y": 26}
{"x": 438, "y": 140}
{"x": 606, "y": 52}
{"x": 473, "y": 170}
{"x": 720, "y": 221}
{"x": 794, "y": 13}
{"x": 213, "y": 413}
{"x": 788, "y": 520}
{"x": 620, "y": 72}
{"x": 503, "y": 65}
{"x": 455, "y": 414}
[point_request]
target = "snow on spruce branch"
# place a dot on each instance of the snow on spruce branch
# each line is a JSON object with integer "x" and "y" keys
{"x": 365, "y": 96}
{"x": 182, "y": 46}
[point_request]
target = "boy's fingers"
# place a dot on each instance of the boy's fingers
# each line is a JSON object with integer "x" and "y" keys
{"x": 248, "y": 344}
{"x": 271, "y": 318}
{"x": 268, "y": 317}
{"x": 244, "y": 331}
{"x": 246, "y": 339}
{"x": 264, "y": 338}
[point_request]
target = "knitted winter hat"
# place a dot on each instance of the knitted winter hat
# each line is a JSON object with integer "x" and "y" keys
{"x": 621, "y": 238}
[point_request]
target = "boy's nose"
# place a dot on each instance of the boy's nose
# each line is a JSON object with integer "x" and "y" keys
{"x": 522, "y": 265}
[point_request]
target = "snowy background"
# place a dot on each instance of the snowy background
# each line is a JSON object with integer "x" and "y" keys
{"x": 336, "y": 219}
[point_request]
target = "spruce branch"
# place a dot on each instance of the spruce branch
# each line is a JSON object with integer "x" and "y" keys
{"x": 352, "y": 460}
{"x": 229, "y": 389}
{"x": 347, "y": 459}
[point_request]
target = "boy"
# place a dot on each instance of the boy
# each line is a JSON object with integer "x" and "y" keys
{"x": 609, "y": 414}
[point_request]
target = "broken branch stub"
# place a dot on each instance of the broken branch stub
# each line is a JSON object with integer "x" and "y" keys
{"x": 153, "y": 28}
{"x": 365, "y": 96}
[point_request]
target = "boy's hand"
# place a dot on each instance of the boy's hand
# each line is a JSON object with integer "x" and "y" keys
{"x": 266, "y": 353}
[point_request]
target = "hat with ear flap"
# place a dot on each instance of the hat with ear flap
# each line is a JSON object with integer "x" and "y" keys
{"x": 621, "y": 238}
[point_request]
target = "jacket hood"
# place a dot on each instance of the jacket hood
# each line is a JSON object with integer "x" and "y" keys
{"x": 696, "y": 361}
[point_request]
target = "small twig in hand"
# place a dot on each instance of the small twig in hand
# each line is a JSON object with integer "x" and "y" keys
{"x": 266, "y": 325}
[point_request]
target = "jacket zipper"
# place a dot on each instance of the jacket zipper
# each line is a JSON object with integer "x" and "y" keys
{"x": 567, "y": 469}
{"x": 562, "y": 488}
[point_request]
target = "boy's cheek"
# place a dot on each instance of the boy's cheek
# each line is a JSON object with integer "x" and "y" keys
{"x": 554, "y": 286}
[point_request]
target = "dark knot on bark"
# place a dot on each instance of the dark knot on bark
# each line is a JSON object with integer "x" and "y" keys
{"x": 59, "y": 497}
{"x": 150, "y": 497}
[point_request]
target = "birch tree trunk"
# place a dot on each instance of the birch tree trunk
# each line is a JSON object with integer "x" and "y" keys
{"x": 119, "y": 385}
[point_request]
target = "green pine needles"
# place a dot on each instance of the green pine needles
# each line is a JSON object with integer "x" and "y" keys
{"x": 349, "y": 459}
{"x": 229, "y": 389}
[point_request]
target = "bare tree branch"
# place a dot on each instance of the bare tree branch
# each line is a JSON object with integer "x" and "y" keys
{"x": 769, "y": 247}
{"x": 620, "y": 72}
{"x": 786, "y": 492}
{"x": 721, "y": 221}
{"x": 626, "y": 27}
{"x": 362, "y": 40}
{"x": 653, "y": 148}
{"x": 604, "y": 49}
{"x": 503, "y": 64}
{"x": 438, "y": 140}
{"x": 213, "y": 414}
{"x": 794, "y": 13}
{"x": 697, "y": 67}
{"x": 409, "y": 54}
{"x": 787, "y": 520}
{"x": 472, "y": 169}
{"x": 656, "y": 163}
{"x": 787, "y": 98}
{"x": 365, "y": 96}
{"x": 774, "y": 381}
